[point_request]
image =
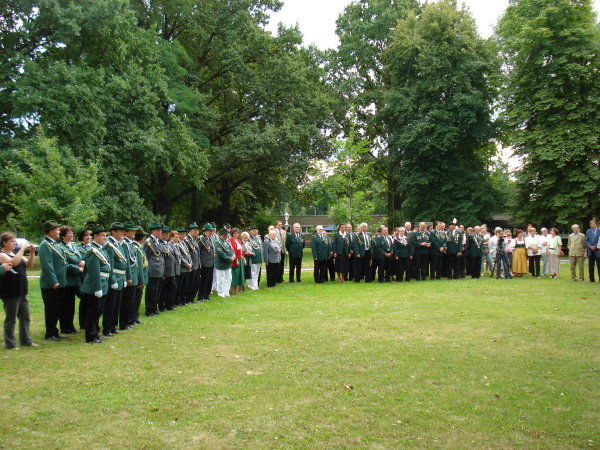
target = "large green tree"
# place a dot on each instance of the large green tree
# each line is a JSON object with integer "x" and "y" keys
{"x": 365, "y": 30}
{"x": 551, "y": 100}
{"x": 438, "y": 108}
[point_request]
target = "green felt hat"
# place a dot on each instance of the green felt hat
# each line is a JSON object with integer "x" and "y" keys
{"x": 97, "y": 229}
{"x": 226, "y": 225}
{"x": 223, "y": 231}
{"x": 116, "y": 226}
{"x": 181, "y": 230}
{"x": 193, "y": 226}
{"x": 208, "y": 226}
{"x": 214, "y": 225}
{"x": 155, "y": 226}
{"x": 50, "y": 225}
{"x": 165, "y": 229}
{"x": 253, "y": 228}
{"x": 130, "y": 226}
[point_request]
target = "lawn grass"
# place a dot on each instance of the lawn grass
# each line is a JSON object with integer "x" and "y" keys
{"x": 455, "y": 364}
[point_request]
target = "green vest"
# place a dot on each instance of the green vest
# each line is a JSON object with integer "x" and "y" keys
{"x": 130, "y": 255}
{"x": 54, "y": 264}
{"x": 73, "y": 259}
{"x": 97, "y": 271}
{"x": 257, "y": 249}
{"x": 120, "y": 267}
{"x": 223, "y": 254}
{"x": 142, "y": 264}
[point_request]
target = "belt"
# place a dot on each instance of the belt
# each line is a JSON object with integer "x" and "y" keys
{"x": 120, "y": 272}
{"x": 104, "y": 275}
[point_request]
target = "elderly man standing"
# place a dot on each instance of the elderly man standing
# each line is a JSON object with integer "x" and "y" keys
{"x": 282, "y": 236}
{"x": 320, "y": 252}
{"x": 576, "y": 244}
{"x": 592, "y": 235}
{"x": 294, "y": 245}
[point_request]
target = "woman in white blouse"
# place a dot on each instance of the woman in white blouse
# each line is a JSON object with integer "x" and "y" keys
{"x": 534, "y": 253}
{"x": 554, "y": 250}
{"x": 544, "y": 237}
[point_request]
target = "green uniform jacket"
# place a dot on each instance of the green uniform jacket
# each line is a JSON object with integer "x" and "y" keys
{"x": 474, "y": 244}
{"x": 381, "y": 246}
{"x": 223, "y": 254}
{"x": 257, "y": 249}
{"x": 341, "y": 244}
{"x": 438, "y": 240}
{"x": 130, "y": 254}
{"x": 97, "y": 271}
{"x": 120, "y": 267}
{"x": 402, "y": 249}
{"x": 454, "y": 241}
{"x": 54, "y": 264}
{"x": 418, "y": 238}
{"x": 359, "y": 243}
{"x": 294, "y": 245}
{"x": 73, "y": 258}
{"x": 83, "y": 249}
{"x": 142, "y": 264}
{"x": 320, "y": 247}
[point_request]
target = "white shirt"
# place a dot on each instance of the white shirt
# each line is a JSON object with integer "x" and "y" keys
{"x": 533, "y": 240}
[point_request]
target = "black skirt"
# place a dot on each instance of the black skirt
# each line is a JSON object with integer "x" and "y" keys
{"x": 247, "y": 272}
{"x": 341, "y": 264}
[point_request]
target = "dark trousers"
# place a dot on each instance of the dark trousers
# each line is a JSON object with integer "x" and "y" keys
{"x": 463, "y": 265}
{"x": 94, "y": 306}
{"x": 16, "y": 308}
{"x": 111, "y": 309}
{"x": 372, "y": 269}
{"x": 593, "y": 261}
{"x": 384, "y": 269}
{"x": 197, "y": 274}
{"x": 168, "y": 292}
{"x": 273, "y": 270}
{"x": 152, "y": 293}
{"x": 362, "y": 269}
{"x": 66, "y": 309}
{"x": 206, "y": 281}
{"x": 421, "y": 260}
{"x": 281, "y": 269}
{"x": 351, "y": 267}
{"x": 502, "y": 263}
{"x": 137, "y": 301}
{"x": 188, "y": 289}
{"x": 453, "y": 266}
{"x": 475, "y": 266}
{"x": 403, "y": 269}
{"x": 126, "y": 311}
{"x": 435, "y": 267}
{"x": 295, "y": 266}
{"x": 534, "y": 265}
{"x": 320, "y": 271}
{"x": 52, "y": 299}
{"x": 182, "y": 281}
{"x": 331, "y": 268}
{"x": 81, "y": 311}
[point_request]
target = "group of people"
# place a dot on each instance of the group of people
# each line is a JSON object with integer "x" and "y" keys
{"x": 112, "y": 270}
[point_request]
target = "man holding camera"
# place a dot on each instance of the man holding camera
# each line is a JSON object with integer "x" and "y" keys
{"x": 501, "y": 256}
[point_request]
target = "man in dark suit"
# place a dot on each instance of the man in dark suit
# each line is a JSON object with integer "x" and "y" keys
{"x": 321, "y": 253}
{"x": 591, "y": 242}
{"x": 351, "y": 241}
{"x": 294, "y": 245}
{"x": 362, "y": 253}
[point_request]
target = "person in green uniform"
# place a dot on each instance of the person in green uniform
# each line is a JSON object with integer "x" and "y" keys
{"x": 475, "y": 252}
{"x": 382, "y": 251}
{"x": 421, "y": 242}
{"x": 142, "y": 266}
{"x": 403, "y": 253}
{"x": 454, "y": 244}
{"x": 341, "y": 249}
{"x": 437, "y": 251}
{"x": 120, "y": 275}
{"x": 75, "y": 264}
{"x": 362, "y": 254}
{"x": 321, "y": 252}
{"x": 95, "y": 283}
{"x": 294, "y": 244}
{"x": 84, "y": 239}
{"x": 126, "y": 319}
{"x": 53, "y": 275}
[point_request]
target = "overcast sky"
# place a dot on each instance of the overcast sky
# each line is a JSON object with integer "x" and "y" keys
{"x": 317, "y": 17}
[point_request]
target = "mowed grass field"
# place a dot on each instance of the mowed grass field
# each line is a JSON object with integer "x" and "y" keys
{"x": 446, "y": 364}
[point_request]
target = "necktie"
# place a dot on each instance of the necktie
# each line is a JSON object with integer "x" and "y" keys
{"x": 366, "y": 241}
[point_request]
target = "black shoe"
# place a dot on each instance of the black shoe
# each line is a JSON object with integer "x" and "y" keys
{"x": 128, "y": 327}
{"x": 138, "y": 322}
{"x": 107, "y": 334}
{"x": 96, "y": 341}
{"x": 114, "y": 331}
{"x": 53, "y": 338}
